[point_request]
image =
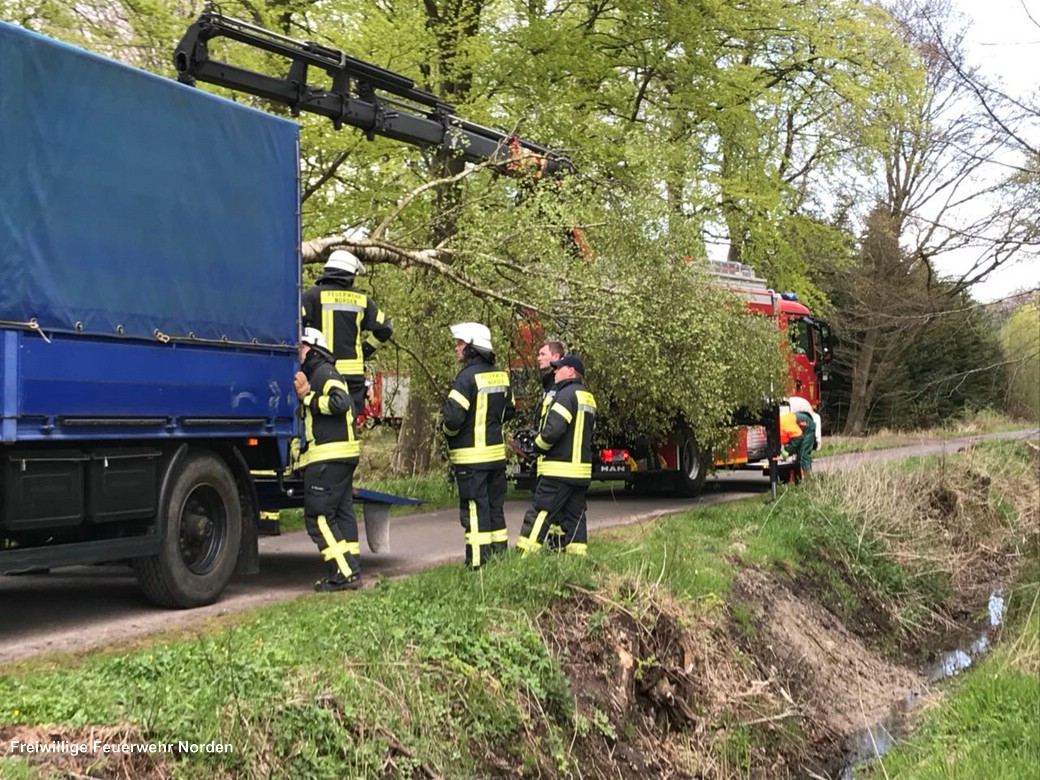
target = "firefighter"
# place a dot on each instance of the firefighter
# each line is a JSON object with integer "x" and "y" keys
{"x": 342, "y": 314}
{"x": 798, "y": 438}
{"x": 564, "y": 442}
{"x": 480, "y": 401}
{"x": 328, "y": 456}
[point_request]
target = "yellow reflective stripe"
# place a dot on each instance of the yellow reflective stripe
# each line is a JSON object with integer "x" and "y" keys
{"x": 373, "y": 341}
{"x": 492, "y": 380}
{"x": 500, "y": 535}
{"x": 561, "y": 468}
{"x": 380, "y": 317}
{"x": 349, "y": 366}
{"x": 562, "y": 410}
{"x": 333, "y": 450}
{"x": 491, "y": 453}
{"x": 585, "y": 398}
{"x": 480, "y": 422}
{"x": 579, "y": 434}
{"x": 308, "y": 428}
{"x": 531, "y": 540}
{"x": 326, "y": 532}
{"x": 308, "y": 398}
{"x": 353, "y": 548}
{"x": 474, "y": 545}
{"x": 323, "y": 399}
{"x": 459, "y": 398}
{"x": 335, "y": 550}
{"x": 339, "y": 548}
{"x": 327, "y": 327}
{"x": 576, "y": 548}
{"x": 527, "y": 546}
{"x": 480, "y": 537}
{"x": 541, "y": 443}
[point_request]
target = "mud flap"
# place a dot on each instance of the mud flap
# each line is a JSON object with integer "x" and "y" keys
{"x": 377, "y": 526}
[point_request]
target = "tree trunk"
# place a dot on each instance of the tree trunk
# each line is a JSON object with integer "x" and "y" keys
{"x": 861, "y": 391}
{"x": 414, "y": 451}
{"x": 452, "y": 24}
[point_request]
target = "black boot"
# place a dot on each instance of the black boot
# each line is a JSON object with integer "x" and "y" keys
{"x": 338, "y": 582}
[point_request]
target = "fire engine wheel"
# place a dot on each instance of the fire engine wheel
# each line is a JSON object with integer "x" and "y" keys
{"x": 689, "y": 481}
{"x": 202, "y": 518}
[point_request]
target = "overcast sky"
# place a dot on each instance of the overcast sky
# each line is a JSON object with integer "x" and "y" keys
{"x": 1004, "y": 39}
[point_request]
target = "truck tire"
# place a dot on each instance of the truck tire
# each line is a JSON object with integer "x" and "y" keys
{"x": 693, "y": 467}
{"x": 202, "y": 531}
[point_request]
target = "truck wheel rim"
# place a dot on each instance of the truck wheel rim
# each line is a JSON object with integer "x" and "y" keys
{"x": 202, "y": 529}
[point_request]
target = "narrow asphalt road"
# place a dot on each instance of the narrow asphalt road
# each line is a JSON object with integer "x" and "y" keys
{"x": 84, "y": 608}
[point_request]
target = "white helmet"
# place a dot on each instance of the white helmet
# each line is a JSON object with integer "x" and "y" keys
{"x": 342, "y": 260}
{"x": 315, "y": 338}
{"x": 799, "y": 404}
{"x": 472, "y": 333}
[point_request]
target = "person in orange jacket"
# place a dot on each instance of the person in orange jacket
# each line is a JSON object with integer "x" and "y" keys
{"x": 798, "y": 438}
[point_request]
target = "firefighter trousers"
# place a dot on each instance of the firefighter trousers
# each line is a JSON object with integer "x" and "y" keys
{"x": 556, "y": 518}
{"x": 482, "y": 494}
{"x": 328, "y": 514}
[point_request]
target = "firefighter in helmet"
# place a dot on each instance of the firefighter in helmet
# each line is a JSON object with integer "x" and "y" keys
{"x": 342, "y": 314}
{"x": 564, "y": 443}
{"x": 329, "y": 454}
{"x": 480, "y": 401}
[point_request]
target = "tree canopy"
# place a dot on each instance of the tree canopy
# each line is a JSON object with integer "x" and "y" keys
{"x": 698, "y": 128}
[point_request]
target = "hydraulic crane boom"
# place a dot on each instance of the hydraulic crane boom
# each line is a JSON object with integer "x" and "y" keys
{"x": 362, "y": 95}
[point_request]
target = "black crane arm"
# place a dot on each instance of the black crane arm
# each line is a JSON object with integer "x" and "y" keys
{"x": 362, "y": 95}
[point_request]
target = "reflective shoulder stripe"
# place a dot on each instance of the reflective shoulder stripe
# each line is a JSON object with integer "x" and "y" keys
{"x": 332, "y": 384}
{"x": 459, "y": 398}
{"x": 492, "y": 381}
{"x": 563, "y": 411}
{"x": 586, "y": 402}
{"x": 349, "y": 297}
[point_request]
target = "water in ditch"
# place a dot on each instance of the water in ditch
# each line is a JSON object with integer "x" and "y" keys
{"x": 864, "y": 747}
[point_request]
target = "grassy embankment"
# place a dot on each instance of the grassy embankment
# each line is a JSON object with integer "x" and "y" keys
{"x": 643, "y": 660}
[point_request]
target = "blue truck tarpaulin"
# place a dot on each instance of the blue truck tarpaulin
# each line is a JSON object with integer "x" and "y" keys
{"x": 175, "y": 208}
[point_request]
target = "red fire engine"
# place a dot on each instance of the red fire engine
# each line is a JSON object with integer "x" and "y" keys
{"x": 677, "y": 461}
